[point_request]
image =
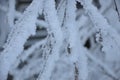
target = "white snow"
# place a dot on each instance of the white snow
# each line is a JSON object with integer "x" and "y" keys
{"x": 51, "y": 17}
{"x": 18, "y": 37}
{"x": 107, "y": 35}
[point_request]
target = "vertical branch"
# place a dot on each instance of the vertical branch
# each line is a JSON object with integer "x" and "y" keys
{"x": 18, "y": 37}
{"x": 61, "y": 11}
{"x": 77, "y": 55}
{"x": 76, "y": 73}
{"x": 70, "y": 24}
{"x": 11, "y": 13}
{"x": 52, "y": 18}
{"x": 117, "y": 10}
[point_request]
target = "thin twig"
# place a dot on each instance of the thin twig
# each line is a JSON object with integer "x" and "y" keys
{"x": 116, "y": 8}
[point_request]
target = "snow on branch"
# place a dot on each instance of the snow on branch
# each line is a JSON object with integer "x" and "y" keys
{"x": 61, "y": 11}
{"x": 117, "y": 8}
{"x": 29, "y": 51}
{"x": 52, "y": 18}
{"x": 77, "y": 54}
{"x": 24, "y": 28}
{"x": 106, "y": 35}
{"x": 70, "y": 24}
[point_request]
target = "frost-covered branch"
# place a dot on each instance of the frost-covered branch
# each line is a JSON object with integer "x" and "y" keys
{"x": 52, "y": 18}
{"x": 78, "y": 39}
{"x": 77, "y": 54}
{"x": 18, "y": 36}
{"x": 107, "y": 35}
{"x": 11, "y": 13}
{"x": 117, "y": 8}
{"x": 29, "y": 51}
{"x": 61, "y": 11}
